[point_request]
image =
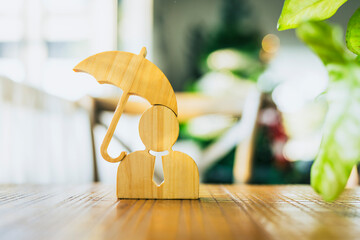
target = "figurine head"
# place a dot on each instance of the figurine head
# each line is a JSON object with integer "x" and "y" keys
{"x": 159, "y": 128}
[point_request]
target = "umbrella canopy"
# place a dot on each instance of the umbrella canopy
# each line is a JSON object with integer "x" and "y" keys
{"x": 149, "y": 81}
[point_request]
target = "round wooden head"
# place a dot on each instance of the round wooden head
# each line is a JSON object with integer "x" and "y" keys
{"x": 159, "y": 128}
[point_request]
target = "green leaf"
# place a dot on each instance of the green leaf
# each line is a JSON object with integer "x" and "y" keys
{"x": 353, "y": 33}
{"x": 339, "y": 150}
{"x": 297, "y": 11}
{"x": 325, "y": 40}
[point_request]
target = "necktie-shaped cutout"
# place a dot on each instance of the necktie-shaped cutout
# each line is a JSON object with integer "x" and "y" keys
{"x": 158, "y": 175}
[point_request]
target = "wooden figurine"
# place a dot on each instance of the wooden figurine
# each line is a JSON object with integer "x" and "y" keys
{"x": 158, "y": 128}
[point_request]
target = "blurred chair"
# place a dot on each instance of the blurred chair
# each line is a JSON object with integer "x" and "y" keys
{"x": 240, "y": 136}
{"x": 44, "y": 139}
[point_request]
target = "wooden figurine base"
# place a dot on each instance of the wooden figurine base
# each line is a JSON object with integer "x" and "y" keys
{"x": 180, "y": 172}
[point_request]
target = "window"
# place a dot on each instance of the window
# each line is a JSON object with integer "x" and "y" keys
{"x": 42, "y": 40}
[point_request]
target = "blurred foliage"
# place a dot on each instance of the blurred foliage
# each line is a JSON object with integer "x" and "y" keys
{"x": 233, "y": 41}
{"x": 353, "y": 33}
{"x": 222, "y": 171}
{"x": 296, "y": 12}
{"x": 339, "y": 150}
{"x": 231, "y": 36}
{"x": 231, "y": 33}
{"x": 268, "y": 170}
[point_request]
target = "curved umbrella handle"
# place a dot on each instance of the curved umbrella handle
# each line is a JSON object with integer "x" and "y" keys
{"x": 110, "y": 132}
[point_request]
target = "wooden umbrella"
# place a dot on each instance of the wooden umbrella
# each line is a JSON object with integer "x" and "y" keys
{"x": 135, "y": 75}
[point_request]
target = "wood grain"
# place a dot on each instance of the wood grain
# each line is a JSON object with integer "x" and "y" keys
{"x": 135, "y": 177}
{"x": 132, "y": 73}
{"x": 222, "y": 212}
{"x": 135, "y": 75}
{"x": 158, "y": 130}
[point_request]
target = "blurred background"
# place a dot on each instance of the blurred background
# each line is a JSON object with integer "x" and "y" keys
{"x": 250, "y": 98}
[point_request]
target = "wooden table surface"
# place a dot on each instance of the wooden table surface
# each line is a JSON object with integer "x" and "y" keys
{"x": 223, "y": 212}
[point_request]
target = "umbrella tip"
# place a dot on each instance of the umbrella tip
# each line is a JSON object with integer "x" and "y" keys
{"x": 143, "y": 52}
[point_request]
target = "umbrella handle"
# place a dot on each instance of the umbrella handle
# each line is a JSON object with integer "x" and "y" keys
{"x": 110, "y": 132}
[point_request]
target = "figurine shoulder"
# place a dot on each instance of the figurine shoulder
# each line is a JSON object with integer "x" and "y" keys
{"x": 181, "y": 155}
